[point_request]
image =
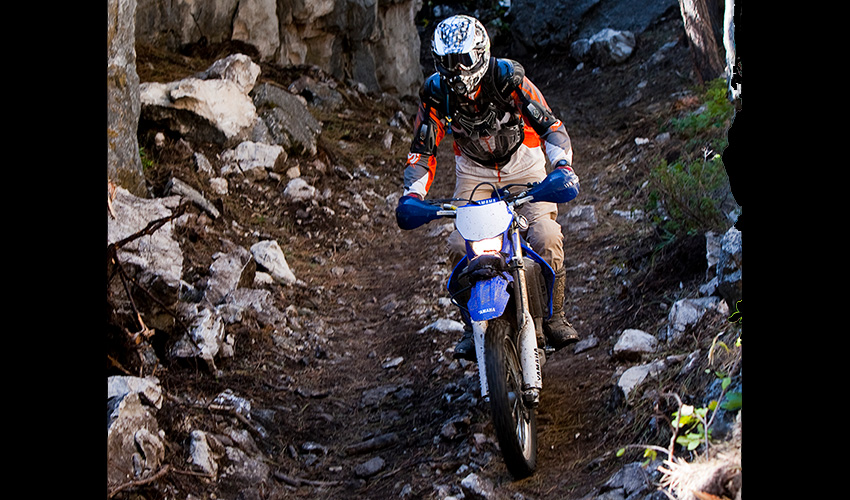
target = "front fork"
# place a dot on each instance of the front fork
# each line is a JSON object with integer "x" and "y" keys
{"x": 529, "y": 355}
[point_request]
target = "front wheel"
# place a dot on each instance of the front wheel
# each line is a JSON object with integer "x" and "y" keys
{"x": 515, "y": 424}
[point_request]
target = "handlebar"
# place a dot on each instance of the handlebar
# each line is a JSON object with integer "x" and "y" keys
{"x": 558, "y": 187}
{"x": 504, "y": 193}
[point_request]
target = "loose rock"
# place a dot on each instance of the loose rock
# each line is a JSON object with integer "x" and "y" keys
{"x": 370, "y": 468}
{"x": 269, "y": 255}
{"x": 634, "y": 343}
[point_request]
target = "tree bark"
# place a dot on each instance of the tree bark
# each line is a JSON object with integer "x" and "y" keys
{"x": 733, "y": 67}
{"x": 699, "y": 19}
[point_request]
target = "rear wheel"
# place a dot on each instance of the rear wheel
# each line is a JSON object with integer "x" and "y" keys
{"x": 515, "y": 424}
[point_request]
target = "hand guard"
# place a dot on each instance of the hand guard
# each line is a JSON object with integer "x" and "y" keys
{"x": 409, "y": 213}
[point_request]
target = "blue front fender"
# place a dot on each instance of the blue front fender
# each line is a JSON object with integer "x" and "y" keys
{"x": 489, "y": 298}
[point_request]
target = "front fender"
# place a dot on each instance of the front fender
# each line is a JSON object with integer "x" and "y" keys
{"x": 489, "y": 298}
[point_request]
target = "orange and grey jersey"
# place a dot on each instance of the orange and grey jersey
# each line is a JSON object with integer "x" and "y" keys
{"x": 507, "y": 112}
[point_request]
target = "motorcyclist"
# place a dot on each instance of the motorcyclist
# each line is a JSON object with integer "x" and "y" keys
{"x": 499, "y": 120}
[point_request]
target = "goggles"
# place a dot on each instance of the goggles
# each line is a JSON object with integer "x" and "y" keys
{"x": 454, "y": 63}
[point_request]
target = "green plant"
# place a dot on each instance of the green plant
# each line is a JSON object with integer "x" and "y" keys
{"x": 690, "y": 194}
{"x": 733, "y": 401}
{"x": 692, "y": 421}
{"x": 686, "y": 195}
{"x": 147, "y": 162}
{"x": 695, "y": 422}
{"x": 713, "y": 114}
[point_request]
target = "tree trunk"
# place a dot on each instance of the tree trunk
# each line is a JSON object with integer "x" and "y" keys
{"x": 733, "y": 66}
{"x": 699, "y": 19}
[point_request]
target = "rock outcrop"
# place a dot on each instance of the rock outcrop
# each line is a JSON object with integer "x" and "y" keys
{"x": 123, "y": 163}
{"x": 373, "y": 43}
{"x": 539, "y": 25}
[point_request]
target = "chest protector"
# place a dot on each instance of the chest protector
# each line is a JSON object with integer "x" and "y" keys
{"x": 488, "y": 129}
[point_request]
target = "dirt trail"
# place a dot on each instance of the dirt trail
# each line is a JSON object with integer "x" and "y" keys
{"x": 371, "y": 287}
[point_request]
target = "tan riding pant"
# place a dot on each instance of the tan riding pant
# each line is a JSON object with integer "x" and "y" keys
{"x": 527, "y": 165}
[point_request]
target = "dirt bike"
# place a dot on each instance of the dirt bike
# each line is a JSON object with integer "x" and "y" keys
{"x": 503, "y": 289}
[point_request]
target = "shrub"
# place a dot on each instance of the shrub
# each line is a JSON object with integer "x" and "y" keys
{"x": 687, "y": 195}
{"x": 713, "y": 116}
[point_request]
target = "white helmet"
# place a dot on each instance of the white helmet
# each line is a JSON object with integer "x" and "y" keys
{"x": 461, "y": 49}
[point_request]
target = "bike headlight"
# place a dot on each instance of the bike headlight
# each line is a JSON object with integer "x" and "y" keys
{"x": 485, "y": 246}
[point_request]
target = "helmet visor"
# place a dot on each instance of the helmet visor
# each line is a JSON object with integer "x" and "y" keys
{"x": 456, "y": 62}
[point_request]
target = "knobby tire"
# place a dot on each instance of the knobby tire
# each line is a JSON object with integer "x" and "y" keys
{"x": 515, "y": 425}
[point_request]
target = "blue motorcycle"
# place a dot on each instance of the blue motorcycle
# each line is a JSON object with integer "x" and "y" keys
{"x": 504, "y": 291}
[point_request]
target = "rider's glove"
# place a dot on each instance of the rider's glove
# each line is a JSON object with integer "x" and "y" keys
{"x": 564, "y": 165}
{"x": 408, "y": 196}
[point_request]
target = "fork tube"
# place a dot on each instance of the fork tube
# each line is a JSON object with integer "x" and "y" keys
{"x": 528, "y": 353}
{"x": 478, "y": 329}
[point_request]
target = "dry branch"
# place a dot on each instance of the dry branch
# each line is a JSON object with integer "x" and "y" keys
{"x": 297, "y": 481}
{"x": 151, "y": 228}
{"x": 140, "y": 482}
{"x": 376, "y": 443}
{"x": 115, "y": 264}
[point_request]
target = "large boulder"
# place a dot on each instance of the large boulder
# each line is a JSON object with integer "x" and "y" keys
{"x": 134, "y": 447}
{"x": 289, "y": 121}
{"x": 212, "y": 106}
{"x": 123, "y": 163}
{"x": 154, "y": 261}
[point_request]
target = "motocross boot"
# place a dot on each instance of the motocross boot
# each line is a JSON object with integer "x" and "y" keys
{"x": 458, "y": 287}
{"x": 465, "y": 348}
{"x": 559, "y": 332}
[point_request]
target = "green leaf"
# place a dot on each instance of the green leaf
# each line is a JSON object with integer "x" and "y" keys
{"x": 681, "y": 421}
{"x": 725, "y": 383}
{"x": 732, "y": 401}
{"x": 690, "y": 441}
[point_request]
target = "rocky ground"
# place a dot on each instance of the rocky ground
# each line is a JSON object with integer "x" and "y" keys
{"x": 369, "y": 289}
